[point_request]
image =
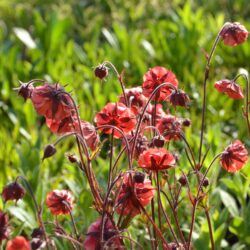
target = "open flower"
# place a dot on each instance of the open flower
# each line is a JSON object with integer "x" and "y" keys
{"x": 233, "y": 34}
{"x": 170, "y": 127}
{"x": 71, "y": 124}
{"x": 234, "y": 157}
{"x": 135, "y": 98}
{"x": 52, "y": 102}
{"x": 155, "y": 77}
{"x": 116, "y": 114}
{"x": 229, "y": 87}
{"x": 13, "y": 191}
{"x": 4, "y": 230}
{"x": 136, "y": 190}
{"x": 93, "y": 236}
{"x": 18, "y": 243}
{"x": 156, "y": 159}
{"x": 59, "y": 202}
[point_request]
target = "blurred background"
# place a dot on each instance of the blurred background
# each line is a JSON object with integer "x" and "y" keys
{"x": 62, "y": 41}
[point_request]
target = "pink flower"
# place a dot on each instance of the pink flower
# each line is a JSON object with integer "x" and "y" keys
{"x": 52, "y": 102}
{"x": 59, "y": 202}
{"x": 234, "y": 157}
{"x": 136, "y": 191}
{"x": 155, "y": 77}
{"x": 234, "y": 34}
{"x": 116, "y": 114}
{"x": 170, "y": 127}
{"x": 93, "y": 237}
{"x": 229, "y": 87}
{"x": 71, "y": 124}
{"x": 156, "y": 159}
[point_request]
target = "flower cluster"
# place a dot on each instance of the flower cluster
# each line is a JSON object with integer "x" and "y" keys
{"x": 143, "y": 127}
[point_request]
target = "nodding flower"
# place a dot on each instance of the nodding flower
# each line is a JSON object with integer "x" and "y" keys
{"x": 51, "y": 101}
{"x": 156, "y": 159}
{"x": 234, "y": 157}
{"x": 155, "y": 77}
{"x": 135, "y": 191}
{"x": 118, "y": 115}
{"x": 93, "y": 236}
{"x": 59, "y": 202}
{"x": 233, "y": 34}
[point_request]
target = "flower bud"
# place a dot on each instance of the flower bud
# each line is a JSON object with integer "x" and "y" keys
{"x": 25, "y": 90}
{"x": 139, "y": 177}
{"x": 13, "y": 191}
{"x": 37, "y": 233}
{"x": 186, "y": 122}
{"x": 72, "y": 158}
{"x": 157, "y": 141}
{"x": 205, "y": 182}
{"x": 179, "y": 98}
{"x": 101, "y": 71}
{"x": 49, "y": 151}
{"x": 183, "y": 180}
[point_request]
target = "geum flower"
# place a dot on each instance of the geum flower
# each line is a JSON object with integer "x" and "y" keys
{"x": 170, "y": 127}
{"x": 136, "y": 191}
{"x": 179, "y": 98}
{"x": 59, "y": 202}
{"x": 155, "y": 77}
{"x": 118, "y": 115}
{"x": 18, "y": 243}
{"x": 156, "y": 159}
{"x": 233, "y": 34}
{"x": 135, "y": 99}
{"x": 229, "y": 87}
{"x": 71, "y": 124}
{"x": 13, "y": 191}
{"x": 4, "y": 229}
{"x": 52, "y": 102}
{"x": 93, "y": 236}
{"x": 234, "y": 157}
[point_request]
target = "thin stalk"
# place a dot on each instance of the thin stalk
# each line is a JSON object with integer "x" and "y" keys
{"x": 246, "y": 113}
{"x": 38, "y": 209}
{"x": 210, "y": 229}
{"x": 119, "y": 77}
{"x": 206, "y": 75}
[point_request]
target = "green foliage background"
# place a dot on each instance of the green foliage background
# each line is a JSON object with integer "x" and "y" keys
{"x": 63, "y": 40}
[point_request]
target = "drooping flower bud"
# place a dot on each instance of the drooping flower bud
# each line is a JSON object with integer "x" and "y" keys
{"x": 139, "y": 177}
{"x": 186, "y": 122}
{"x": 157, "y": 141}
{"x": 183, "y": 180}
{"x": 25, "y": 90}
{"x": 205, "y": 182}
{"x": 233, "y": 34}
{"x": 72, "y": 158}
{"x": 49, "y": 151}
{"x": 101, "y": 71}
{"x": 13, "y": 191}
{"x": 179, "y": 98}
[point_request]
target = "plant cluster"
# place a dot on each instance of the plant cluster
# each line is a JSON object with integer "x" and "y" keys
{"x": 148, "y": 183}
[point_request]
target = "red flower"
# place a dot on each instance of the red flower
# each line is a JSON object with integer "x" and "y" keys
{"x": 234, "y": 157}
{"x": 4, "y": 230}
{"x": 136, "y": 190}
{"x": 59, "y": 202}
{"x": 13, "y": 191}
{"x": 155, "y": 77}
{"x": 229, "y": 87}
{"x": 18, "y": 243}
{"x": 170, "y": 127}
{"x": 179, "y": 98}
{"x": 135, "y": 98}
{"x": 93, "y": 238}
{"x": 116, "y": 114}
{"x": 71, "y": 124}
{"x": 101, "y": 71}
{"x": 52, "y": 102}
{"x": 156, "y": 159}
{"x": 233, "y": 34}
